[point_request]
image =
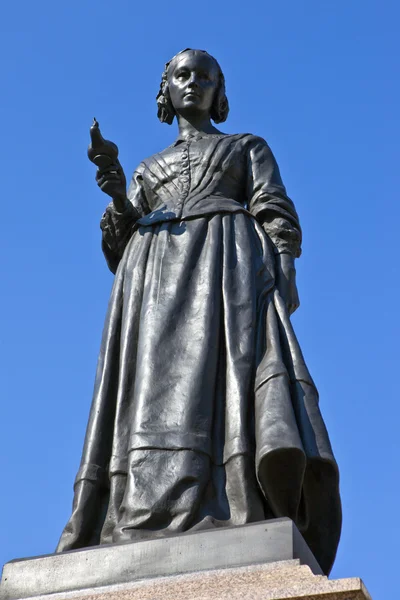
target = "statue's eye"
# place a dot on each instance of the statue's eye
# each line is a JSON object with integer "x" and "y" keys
{"x": 182, "y": 75}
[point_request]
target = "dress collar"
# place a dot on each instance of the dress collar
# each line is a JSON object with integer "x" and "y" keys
{"x": 196, "y": 137}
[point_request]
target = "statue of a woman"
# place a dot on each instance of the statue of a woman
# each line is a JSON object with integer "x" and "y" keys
{"x": 204, "y": 413}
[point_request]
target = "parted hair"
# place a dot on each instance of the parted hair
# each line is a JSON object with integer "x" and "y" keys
{"x": 220, "y": 108}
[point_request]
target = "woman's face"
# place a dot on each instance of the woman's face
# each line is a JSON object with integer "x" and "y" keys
{"x": 193, "y": 80}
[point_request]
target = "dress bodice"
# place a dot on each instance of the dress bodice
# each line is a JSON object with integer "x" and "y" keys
{"x": 208, "y": 174}
{"x": 192, "y": 177}
{"x": 204, "y": 175}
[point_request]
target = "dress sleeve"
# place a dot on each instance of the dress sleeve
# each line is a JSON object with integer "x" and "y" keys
{"x": 117, "y": 227}
{"x": 268, "y": 202}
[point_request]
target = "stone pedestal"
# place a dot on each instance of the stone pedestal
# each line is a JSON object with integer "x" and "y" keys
{"x": 261, "y": 561}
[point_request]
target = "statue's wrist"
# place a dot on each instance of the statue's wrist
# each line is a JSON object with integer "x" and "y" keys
{"x": 120, "y": 203}
{"x": 285, "y": 259}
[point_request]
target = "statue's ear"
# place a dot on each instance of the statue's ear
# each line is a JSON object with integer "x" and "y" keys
{"x": 165, "y": 111}
{"x": 165, "y": 115}
{"x": 220, "y": 107}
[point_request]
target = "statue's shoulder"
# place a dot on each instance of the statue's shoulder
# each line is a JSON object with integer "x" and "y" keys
{"x": 149, "y": 160}
{"x": 245, "y": 142}
{"x": 251, "y": 138}
{"x": 246, "y": 138}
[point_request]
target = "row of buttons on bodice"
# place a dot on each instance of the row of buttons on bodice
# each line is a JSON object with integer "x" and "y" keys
{"x": 184, "y": 177}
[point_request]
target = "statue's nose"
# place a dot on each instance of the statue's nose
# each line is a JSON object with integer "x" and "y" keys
{"x": 193, "y": 81}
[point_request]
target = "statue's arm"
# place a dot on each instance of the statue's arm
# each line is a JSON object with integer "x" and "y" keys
{"x": 117, "y": 226}
{"x": 269, "y": 203}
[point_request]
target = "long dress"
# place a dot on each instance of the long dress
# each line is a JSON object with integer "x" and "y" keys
{"x": 204, "y": 413}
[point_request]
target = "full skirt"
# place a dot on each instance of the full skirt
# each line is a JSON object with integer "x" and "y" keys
{"x": 204, "y": 413}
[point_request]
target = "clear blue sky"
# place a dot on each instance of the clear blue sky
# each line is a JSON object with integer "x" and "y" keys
{"x": 319, "y": 80}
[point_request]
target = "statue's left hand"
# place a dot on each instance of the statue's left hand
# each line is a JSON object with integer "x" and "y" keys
{"x": 286, "y": 281}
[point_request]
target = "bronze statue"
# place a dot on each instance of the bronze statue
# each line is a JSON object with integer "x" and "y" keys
{"x": 204, "y": 413}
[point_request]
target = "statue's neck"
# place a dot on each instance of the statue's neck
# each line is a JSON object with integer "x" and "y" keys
{"x": 188, "y": 128}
